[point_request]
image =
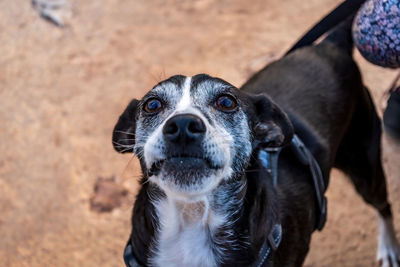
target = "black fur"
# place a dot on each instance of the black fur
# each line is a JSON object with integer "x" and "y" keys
{"x": 321, "y": 91}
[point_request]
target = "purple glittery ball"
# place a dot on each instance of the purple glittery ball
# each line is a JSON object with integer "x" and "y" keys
{"x": 376, "y": 32}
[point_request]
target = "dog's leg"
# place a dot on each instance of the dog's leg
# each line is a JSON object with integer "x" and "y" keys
{"x": 388, "y": 246}
{"x": 359, "y": 156}
{"x": 369, "y": 181}
{"x": 372, "y": 188}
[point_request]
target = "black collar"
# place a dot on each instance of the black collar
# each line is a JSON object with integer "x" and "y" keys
{"x": 269, "y": 159}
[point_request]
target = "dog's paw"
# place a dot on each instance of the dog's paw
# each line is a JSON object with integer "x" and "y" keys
{"x": 388, "y": 254}
{"x": 389, "y": 257}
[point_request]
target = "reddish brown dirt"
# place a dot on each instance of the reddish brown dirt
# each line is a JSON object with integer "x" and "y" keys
{"x": 62, "y": 90}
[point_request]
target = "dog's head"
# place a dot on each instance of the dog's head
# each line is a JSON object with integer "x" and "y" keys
{"x": 191, "y": 133}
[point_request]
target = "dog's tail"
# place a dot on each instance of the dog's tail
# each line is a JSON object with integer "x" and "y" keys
{"x": 344, "y": 13}
{"x": 341, "y": 35}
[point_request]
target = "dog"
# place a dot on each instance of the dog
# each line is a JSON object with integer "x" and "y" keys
{"x": 207, "y": 199}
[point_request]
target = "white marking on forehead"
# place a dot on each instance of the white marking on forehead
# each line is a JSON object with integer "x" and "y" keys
{"x": 185, "y": 101}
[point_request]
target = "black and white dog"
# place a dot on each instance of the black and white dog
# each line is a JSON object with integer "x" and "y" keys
{"x": 206, "y": 198}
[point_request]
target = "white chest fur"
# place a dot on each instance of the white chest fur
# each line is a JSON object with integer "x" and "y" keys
{"x": 185, "y": 237}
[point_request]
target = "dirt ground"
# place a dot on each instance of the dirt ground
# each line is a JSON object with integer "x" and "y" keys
{"x": 62, "y": 90}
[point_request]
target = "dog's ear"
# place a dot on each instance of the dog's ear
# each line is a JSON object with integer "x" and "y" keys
{"x": 271, "y": 126}
{"x": 123, "y": 138}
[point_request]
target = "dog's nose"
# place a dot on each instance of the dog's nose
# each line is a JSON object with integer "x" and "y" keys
{"x": 184, "y": 128}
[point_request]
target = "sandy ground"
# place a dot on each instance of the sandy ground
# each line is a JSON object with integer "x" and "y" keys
{"x": 62, "y": 90}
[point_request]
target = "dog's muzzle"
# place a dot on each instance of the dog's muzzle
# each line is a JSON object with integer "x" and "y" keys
{"x": 184, "y": 130}
{"x": 185, "y": 157}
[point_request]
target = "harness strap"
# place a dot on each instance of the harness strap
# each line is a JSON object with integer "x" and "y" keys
{"x": 129, "y": 257}
{"x": 306, "y": 158}
{"x": 269, "y": 159}
{"x": 272, "y": 243}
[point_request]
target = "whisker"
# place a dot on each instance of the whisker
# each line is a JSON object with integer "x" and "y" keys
{"x": 255, "y": 170}
{"x": 126, "y": 149}
{"x": 140, "y": 144}
{"x": 126, "y": 139}
{"x": 122, "y": 145}
{"x": 125, "y": 169}
{"x": 124, "y": 132}
{"x": 145, "y": 182}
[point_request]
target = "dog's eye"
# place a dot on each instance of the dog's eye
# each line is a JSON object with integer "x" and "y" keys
{"x": 226, "y": 103}
{"x": 152, "y": 105}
